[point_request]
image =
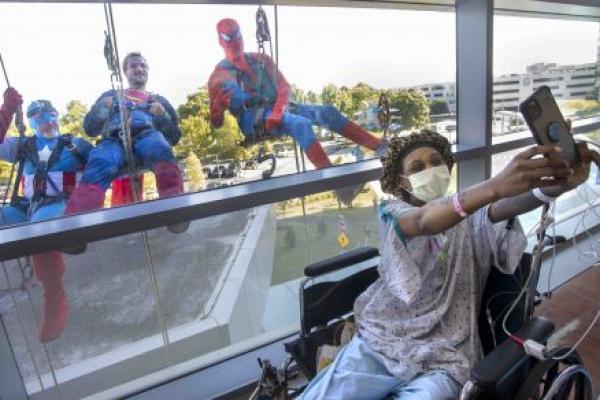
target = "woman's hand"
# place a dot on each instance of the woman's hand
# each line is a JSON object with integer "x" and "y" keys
{"x": 580, "y": 174}
{"x": 524, "y": 172}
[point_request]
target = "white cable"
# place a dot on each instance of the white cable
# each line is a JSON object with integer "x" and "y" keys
{"x": 541, "y": 230}
{"x": 591, "y": 208}
{"x": 553, "y": 211}
{"x": 581, "y": 338}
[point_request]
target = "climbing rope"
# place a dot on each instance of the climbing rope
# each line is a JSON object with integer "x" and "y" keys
{"x": 111, "y": 54}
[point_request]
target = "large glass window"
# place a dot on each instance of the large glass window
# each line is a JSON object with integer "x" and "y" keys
{"x": 531, "y": 52}
{"x": 346, "y": 70}
{"x": 561, "y": 54}
{"x": 141, "y": 302}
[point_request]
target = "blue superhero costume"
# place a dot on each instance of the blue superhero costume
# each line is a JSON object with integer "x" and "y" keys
{"x": 152, "y": 136}
{"x": 50, "y": 165}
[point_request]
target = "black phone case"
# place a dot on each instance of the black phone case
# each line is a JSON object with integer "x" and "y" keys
{"x": 549, "y": 114}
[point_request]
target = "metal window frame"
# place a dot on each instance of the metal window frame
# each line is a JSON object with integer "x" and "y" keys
{"x": 33, "y": 238}
{"x": 474, "y": 40}
{"x": 473, "y": 151}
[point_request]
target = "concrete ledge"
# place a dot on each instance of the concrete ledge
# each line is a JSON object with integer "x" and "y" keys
{"x": 236, "y": 313}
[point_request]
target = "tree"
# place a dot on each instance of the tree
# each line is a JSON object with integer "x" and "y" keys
{"x": 194, "y": 173}
{"x": 329, "y": 94}
{"x": 312, "y": 97}
{"x": 202, "y": 139}
{"x": 345, "y": 103}
{"x": 412, "y": 106}
{"x": 196, "y": 104}
{"x": 438, "y": 107}
{"x": 72, "y": 120}
{"x": 298, "y": 95}
{"x": 361, "y": 92}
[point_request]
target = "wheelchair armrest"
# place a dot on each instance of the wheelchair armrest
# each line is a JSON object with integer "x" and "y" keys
{"x": 505, "y": 359}
{"x": 342, "y": 261}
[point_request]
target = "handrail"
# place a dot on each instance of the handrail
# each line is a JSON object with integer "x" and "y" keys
{"x": 32, "y": 238}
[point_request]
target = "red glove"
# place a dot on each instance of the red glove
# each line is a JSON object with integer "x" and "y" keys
{"x": 274, "y": 120}
{"x": 12, "y": 101}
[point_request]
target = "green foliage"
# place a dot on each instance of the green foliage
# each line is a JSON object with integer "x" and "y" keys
{"x": 196, "y": 104}
{"x": 5, "y": 168}
{"x": 580, "y": 107}
{"x": 202, "y": 139}
{"x": 438, "y": 107}
{"x": 194, "y": 173}
{"x": 349, "y": 100}
{"x": 361, "y": 93}
{"x": 413, "y": 108}
{"x": 329, "y": 94}
{"x": 72, "y": 120}
{"x": 312, "y": 97}
{"x": 298, "y": 95}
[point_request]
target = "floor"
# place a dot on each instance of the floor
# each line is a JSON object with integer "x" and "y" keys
{"x": 572, "y": 307}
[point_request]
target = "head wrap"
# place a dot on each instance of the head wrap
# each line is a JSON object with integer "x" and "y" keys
{"x": 400, "y": 147}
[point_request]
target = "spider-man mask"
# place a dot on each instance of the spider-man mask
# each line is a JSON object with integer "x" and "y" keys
{"x": 230, "y": 38}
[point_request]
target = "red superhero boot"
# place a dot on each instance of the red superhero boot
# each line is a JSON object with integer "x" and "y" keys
{"x": 169, "y": 183}
{"x": 317, "y": 155}
{"x": 49, "y": 269}
{"x": 358, "y": 135}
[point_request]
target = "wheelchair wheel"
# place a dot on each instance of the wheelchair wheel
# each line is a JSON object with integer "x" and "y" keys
{"x": 544, "y": 373}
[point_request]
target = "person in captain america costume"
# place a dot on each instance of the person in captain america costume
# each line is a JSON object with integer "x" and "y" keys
{"x": 52, "y": 164}
{"x": 154, "y": 130}
{"x": 258, "y": 95}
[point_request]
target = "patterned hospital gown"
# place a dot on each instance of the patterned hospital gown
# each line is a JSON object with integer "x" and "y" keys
{"x": 420, "y": 315}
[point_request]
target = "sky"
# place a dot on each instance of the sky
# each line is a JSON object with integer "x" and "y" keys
{"x": 55, "y": 51}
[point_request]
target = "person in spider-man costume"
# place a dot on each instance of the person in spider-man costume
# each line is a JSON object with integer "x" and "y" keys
{"x": 259, "y": 97}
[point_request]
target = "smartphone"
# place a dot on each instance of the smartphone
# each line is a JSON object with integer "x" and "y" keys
{"x": 547, "y": 123}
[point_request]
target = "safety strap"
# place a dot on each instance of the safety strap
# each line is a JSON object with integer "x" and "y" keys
{"x": 70, "y": 145}
{"x": 28, "y": 151}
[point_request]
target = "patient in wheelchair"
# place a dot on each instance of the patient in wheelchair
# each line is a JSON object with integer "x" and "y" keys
{"x": 417, "y": 324}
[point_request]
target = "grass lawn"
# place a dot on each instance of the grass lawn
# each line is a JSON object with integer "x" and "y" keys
{"x": 290, "y": 260}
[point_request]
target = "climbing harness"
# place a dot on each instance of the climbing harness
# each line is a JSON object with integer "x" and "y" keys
{"x": 111, "y": 54}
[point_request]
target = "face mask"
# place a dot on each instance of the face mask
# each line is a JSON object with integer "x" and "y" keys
{"x": 43, "y": 118}
{"x": 430, "y": 184}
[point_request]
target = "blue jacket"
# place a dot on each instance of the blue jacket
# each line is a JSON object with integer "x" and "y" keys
{"x": 107, "y": 121}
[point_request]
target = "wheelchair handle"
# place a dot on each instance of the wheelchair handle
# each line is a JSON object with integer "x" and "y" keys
{"x": 342, "y": 261}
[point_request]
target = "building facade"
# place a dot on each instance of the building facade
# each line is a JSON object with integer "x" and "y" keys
{"x": 576, "y": 81}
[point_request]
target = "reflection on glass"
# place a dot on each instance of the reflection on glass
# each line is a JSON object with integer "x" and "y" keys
{"x": 330, "y": 111}
{"x": 331, "y": 226}
{"x": 137, "y": 129}
{"x": 562, "y": 55}
{"x": 568, "y": 203}
{"x": 112, "y": 314}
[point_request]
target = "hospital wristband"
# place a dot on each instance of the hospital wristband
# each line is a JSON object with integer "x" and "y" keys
{"x": 458, "y": 208}
{"x": 541, "y": 196}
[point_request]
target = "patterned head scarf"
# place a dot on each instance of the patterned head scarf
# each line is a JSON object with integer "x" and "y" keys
{"x": 400, "y": 147}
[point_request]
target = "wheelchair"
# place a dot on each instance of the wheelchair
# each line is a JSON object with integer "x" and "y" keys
{"x": 505, "y": 373}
